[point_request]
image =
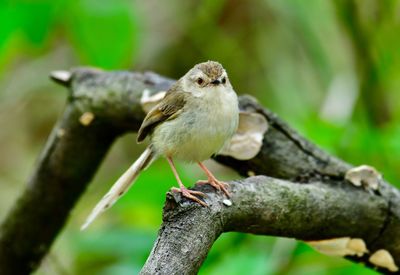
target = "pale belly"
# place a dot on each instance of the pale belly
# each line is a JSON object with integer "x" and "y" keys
{"x": 196, "y": 136}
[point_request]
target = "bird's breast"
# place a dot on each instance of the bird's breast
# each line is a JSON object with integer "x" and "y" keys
{"x": 201, "y": 130}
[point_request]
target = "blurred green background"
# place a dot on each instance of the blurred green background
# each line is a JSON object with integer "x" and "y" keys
{"x": 330, "y": 68}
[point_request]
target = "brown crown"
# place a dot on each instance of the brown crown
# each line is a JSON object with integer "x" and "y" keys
{"x": 211, "y": 68}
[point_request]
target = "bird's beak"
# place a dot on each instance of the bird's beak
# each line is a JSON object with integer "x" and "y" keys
{"x": 216, "y": 82}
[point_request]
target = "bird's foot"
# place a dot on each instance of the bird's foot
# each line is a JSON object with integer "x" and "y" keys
{"x": 217, "y": 184}
{"x": 187, "y": 193}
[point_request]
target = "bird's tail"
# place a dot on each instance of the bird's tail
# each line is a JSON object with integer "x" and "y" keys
{"x": 121, "y": 186}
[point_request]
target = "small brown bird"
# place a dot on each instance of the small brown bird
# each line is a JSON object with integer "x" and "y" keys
{"x": 194, "y": 120}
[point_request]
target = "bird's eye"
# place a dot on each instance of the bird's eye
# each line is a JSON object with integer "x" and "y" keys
{"x": 200, "y": 81}
{"x": 224, "y": 80}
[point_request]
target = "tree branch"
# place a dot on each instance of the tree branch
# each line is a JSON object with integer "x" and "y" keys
{"x": 322, "y": 206}
{"x": 264, "y": 206}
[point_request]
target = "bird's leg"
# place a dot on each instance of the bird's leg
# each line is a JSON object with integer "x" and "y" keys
{"x": 212, "y": 180}
{"x": 182, "y": 189}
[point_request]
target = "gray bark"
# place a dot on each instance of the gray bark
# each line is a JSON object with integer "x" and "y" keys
{"x": 264, "y": 206}
{"x": 309, "y": 201}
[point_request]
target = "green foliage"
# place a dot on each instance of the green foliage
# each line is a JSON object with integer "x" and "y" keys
{"x": 331, "y": 68}
{"x": 104, "y": 32}
{"x": 112, "y": 251}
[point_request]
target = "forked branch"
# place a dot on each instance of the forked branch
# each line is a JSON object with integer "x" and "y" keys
{"x": 310, "y": 200}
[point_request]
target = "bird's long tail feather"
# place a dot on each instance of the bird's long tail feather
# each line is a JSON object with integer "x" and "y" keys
{"x": 121, "y": 186}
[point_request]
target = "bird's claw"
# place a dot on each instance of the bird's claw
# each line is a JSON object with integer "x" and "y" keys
{"x": 219, "y": 185}
{"x": 187, "y": 193}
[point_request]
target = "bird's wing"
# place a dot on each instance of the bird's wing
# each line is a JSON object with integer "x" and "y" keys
{"x": 169, "y": 108}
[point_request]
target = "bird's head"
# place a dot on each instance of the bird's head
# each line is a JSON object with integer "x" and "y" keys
{"x": 207, "y": 76}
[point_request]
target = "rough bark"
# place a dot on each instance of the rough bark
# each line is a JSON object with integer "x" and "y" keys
{"x": 264, "y": 206}
{"x": 311, "y": 201}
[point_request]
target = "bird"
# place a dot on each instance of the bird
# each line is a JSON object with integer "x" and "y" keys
{"x": 197, "y": 117}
